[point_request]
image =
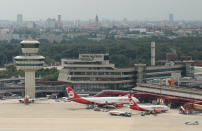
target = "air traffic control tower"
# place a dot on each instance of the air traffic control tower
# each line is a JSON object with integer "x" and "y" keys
{"x": 29, "y": 62}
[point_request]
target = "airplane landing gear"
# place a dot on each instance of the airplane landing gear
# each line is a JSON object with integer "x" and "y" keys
{"x": 91, "y": 106}
{"x": 143, "y": 113}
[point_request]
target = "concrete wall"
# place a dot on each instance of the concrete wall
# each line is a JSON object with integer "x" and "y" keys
{"x": 30, "y": 84}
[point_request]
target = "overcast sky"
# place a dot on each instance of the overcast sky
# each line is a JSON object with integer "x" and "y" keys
{"x": 110, "y": 9}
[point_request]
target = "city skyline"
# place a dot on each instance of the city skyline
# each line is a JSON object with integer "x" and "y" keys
{"x": 106, "y": 9}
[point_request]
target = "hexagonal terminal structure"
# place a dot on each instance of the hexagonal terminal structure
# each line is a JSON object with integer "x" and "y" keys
{"x": 29, "y": 62}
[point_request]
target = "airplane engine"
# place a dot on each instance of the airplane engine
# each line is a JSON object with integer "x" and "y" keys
{"x": 157, "y": 111}
{"x": 118, "y": 105}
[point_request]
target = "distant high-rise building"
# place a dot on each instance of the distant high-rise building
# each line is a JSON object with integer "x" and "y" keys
{"x": 152, "y": 53}
{"x": 77, "y": 23}
{"x": 51, "y": 23}
{"x": 59, "y": 18}
{"x": 19, "y": 19}
{"x": 171, "y": 18}
{"x": 96, "y": 19}
{"x": 31, "y": 25}
{"x": 59, "y": 22}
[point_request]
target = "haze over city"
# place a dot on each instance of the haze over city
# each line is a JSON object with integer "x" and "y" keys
{"x": 81, "y": 65}
{"x": 106, "y": 9}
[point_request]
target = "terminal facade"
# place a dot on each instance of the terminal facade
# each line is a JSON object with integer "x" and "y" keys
{"x": 91, "y": 73}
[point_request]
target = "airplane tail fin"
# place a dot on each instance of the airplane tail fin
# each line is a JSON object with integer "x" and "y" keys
{"x": 71, "y": 93}
{"x": 133, "y": 104}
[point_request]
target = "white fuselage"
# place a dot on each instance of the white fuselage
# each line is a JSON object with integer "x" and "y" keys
{"x": 154, "y": 107}
{"x": 109, "y": 100}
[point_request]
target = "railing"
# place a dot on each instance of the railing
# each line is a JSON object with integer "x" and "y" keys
{"x": 171, "y": 91}
{"x": 180, "y": 89}
{"x": 46, "y": 88}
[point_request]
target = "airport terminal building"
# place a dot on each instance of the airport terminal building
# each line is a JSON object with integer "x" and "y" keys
{"x": 91, "y": 73}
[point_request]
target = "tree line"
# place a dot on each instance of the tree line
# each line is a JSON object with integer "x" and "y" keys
{"x": 123, "y": 52}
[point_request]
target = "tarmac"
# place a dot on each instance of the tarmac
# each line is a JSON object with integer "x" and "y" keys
{"x": 49, "y": 115}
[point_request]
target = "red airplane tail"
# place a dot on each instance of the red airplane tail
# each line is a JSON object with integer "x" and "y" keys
{"x": 71, "y": 93}
{"x": 133, "y": 105}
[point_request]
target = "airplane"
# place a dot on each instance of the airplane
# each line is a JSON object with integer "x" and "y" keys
{"x": 147, "y": 109}
{"x": 100, "y": 101}
{"x": 27, "y": 100}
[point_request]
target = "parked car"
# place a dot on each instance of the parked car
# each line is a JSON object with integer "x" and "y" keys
{"x": 120, "y": 113}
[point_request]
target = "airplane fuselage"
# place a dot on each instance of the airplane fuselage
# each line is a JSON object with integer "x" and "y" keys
{"x": 151, "y": 108}
{"x": 72, "y": 96}
{"x": 102, "y": 100}
{"x": 147, "y": 108}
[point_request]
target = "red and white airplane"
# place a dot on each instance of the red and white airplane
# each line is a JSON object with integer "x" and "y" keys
{"x": 100, "y": 101}
{"x": 26, "y": 100}
{"x": 151, "y": 109}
